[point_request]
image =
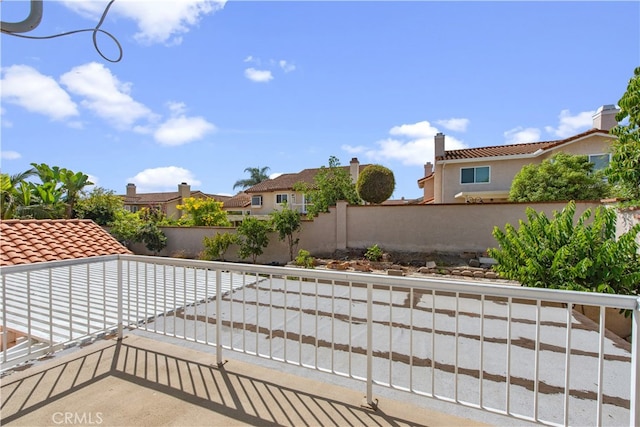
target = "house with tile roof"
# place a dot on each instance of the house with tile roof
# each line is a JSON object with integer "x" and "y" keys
{"x": 270, "y": 194}
{"x": 39, "y": 240}
{"x": 485, "y": 174}
{"x": 166, "y": 202}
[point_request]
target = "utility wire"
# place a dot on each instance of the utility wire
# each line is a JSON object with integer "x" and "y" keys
{"x": 95, "y": 32}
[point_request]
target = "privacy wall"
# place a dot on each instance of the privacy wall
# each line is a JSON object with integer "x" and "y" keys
{"x": 422, "y": 229}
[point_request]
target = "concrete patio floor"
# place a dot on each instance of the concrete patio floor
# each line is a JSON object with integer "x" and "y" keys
{"x": 144, "y": 382}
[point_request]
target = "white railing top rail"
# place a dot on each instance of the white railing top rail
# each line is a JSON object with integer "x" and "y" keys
{"x": 466, "y": 286}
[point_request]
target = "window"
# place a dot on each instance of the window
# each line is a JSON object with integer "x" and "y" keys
{"x": 281, "y": 198}
{"x": 256, "y": 200}
{"x": 474, "y": 175}
{"x": 600, "y": 161}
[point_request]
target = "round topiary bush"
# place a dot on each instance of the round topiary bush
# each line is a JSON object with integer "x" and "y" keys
{"x": 375, "y": 184}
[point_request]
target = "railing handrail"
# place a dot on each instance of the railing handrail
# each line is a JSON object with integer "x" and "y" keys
{"x": 467, "y": 286}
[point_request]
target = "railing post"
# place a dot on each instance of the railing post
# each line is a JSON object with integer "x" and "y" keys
{"x": 5, "y": 333}
{"x": 369, "y": 397}
{"x": 119, "y": 314}
{"x": 634, "y": 409}
{"x": 218, "y": 317}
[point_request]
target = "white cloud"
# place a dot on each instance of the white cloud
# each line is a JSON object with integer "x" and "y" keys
{"x": 26, "y": 87}
{"x": 414, "y": 130}
{"x": 10, "y": 155}
{"x": 157, "y": 21}
{"x": 454, "y": 124}
{"x": 182, "y": 130}
{"x": 287, "y": 67}
{"x": 105, "y": 95}
{"x": 413, "y": 145}
{"x": 571, "y": 124}
{"x": 259, "y": 76}
{"x": 163, "y": 179}
{"x": 521, "y": 135}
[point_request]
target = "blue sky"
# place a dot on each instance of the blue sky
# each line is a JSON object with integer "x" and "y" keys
{"x": 206, "y": 89}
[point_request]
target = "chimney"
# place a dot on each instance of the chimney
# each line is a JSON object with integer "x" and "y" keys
{"x": 131, "y": 190}
{"x": 605, "y": 117}
{"x": 354, "y": 169}
{"x": 184, "y": 190}
{"x": 439, "y": 145}
{"x": 428, "y": 168}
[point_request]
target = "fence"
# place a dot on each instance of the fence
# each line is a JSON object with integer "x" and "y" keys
{"x": 413, "y": 229}
{"x": 516, "y": 351}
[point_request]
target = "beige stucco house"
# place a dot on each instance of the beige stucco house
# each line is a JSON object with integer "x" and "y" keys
{"x": 167, "y": 202}
{"x": 271, "y": 194}
{"x": 484, "y": 174}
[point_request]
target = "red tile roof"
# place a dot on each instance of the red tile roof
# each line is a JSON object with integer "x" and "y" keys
{"x": 513, "y": 149}
{"x": 287, "y": 180}
{"x": 166, "y": 197}
{"x": 240, "y": 200}
{"x": 31, "y": 241}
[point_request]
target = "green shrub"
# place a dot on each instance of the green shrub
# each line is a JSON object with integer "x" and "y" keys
{"x": 215, "y": 247}
{"x": 375, "y": 184}
{"x": 374, "y": 253}
{"x": 559, "y": 253}
{"x": 304, "y": 259}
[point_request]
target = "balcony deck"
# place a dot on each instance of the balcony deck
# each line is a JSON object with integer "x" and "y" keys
{"x": 146, "y": 382}
{"x": 423, "y": 343}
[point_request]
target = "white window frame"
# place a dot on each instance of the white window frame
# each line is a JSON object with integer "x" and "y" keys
{"x": 474, "y": 175}
{"x": 599, "y": 155}
{"x": 279, "y": 198}
{"x": 259, "y": 197}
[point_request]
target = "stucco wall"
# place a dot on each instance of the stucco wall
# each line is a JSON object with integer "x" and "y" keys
{"x": 451, "y": 228}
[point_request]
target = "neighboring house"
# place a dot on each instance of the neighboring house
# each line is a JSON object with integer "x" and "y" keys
{"x": 237, "y": 207}
{"x": 39, "y": 240}
{"x": 270, "y": 194}
{"x": 485, "y": 174}
{"x": 165, "y": 202}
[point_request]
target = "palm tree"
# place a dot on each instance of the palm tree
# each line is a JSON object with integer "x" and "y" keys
{"x": 257, "y": 176}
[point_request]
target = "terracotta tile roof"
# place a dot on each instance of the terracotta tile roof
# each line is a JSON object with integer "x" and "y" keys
{"x": 287, "y": 180}
{"x": 31, "y": 241}
{"x": 513, "y": 149}
{"x": 240, "y": 200}
{"x": 166, "y": 197}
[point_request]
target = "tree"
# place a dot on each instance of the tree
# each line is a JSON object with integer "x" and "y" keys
{"x": 152, "y": 237}
{"x": 100, "y": 205}
{"x": 375, "y": 184}
{"x": 331, "y": 184}
{"x": 125, "y": 227}
{"x": 253, "y": 237}
{"x": 60, "y": 189}
{"x": 203, "y": 212}
{"x": 15, "y": 193}
{"x": 561, "y": 253}
{"x": 257, "y": 176}
{"x": 287, "y": 222}
{"x": 624, "y": 168}
{"x": 563, "y": 177}
{"x": 217, "y": 246}
{"x": 73, "y": 184}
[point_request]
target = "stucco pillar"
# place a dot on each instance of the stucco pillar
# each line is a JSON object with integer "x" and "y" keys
{"x": 341, "y": 224}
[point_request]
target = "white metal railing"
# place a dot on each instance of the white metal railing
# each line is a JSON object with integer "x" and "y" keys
{"x": 523, "y": 352}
